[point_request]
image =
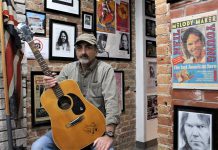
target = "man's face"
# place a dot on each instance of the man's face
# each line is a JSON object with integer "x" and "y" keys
{"x": 63, "y": 37}
{"x": 85, "y": 52}
{"x": 195, "y": 45}
{"x": 197, "y": 133}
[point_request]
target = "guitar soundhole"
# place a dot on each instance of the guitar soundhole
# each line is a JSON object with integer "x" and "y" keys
{"x": 64, "y": 102}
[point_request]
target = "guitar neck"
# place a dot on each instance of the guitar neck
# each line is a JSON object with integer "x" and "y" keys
{"x": 45, "y": 69}
{"x": 40, "y": 59}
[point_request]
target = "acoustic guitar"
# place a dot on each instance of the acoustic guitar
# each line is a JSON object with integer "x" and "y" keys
{"x": 75, "y": 122}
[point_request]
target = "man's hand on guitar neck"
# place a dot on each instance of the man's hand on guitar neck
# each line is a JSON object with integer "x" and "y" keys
{"x": 49, "y": 81}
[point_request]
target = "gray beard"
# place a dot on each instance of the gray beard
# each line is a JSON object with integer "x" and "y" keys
{"x": 84, "y": 60}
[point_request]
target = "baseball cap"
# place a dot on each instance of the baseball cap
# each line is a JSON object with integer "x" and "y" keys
{"x": 90, "y": 38}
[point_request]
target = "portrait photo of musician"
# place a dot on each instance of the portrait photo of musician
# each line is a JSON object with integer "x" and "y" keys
{"x": 63, "y": 42}
{"x": 195, "y": 131}
{"x": 97, "y": 83}
{"x": 101, "y": 45}
{"x": 193, "y": 42}
{"x": 124, "y": 42}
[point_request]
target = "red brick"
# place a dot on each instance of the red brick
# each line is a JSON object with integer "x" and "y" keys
{"x": 201, "y": 7}
{"x": 187, "y": 94}
{"x": 162, "y": 29}
{"x": 163, "y": 49}
{"x": 176, "y": 13}
{"x": 163, "y": 60}
{"x": 164, "y": 120}
{"x": 162, "y": 39}
{"x": 164, "y": 89}
{"x": 162, "y": 19}
{"x": 164, "y": 100}
{"x": 195, "y": 103}
{"x": 164, "y": 69}
{"x": 211, "y": 96}
{"x": 164, "y": 79}
{"x": 162, "y": 109}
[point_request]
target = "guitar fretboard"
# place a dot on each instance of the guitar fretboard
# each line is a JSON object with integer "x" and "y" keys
{"x": 45, "y": 69}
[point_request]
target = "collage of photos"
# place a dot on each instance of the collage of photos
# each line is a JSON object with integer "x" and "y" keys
{"x": 113, "y": 29}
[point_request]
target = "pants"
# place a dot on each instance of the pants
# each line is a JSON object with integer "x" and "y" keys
{"x": 46, "y": 143}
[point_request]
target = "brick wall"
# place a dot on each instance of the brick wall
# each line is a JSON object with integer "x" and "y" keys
{"x": 126, "y": 130}
{"x": 167, "y": 97}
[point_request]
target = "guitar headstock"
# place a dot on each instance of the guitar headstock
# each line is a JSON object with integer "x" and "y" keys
{"x": 25, "y": 32}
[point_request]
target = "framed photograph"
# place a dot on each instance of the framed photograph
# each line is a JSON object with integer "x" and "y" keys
{"x": 87, "y": 21}
{"x": 195, "y": 128}
{"x": 152, "y": 111}
{"x": 112, "y": 20}
{"x": 61, "y": 42}
{"x": 150, "y": 8}
{"x": 36, "y": 22}
{"x": 150, "y": 28}
{"x": 39, "y": 115}
{"x": 151, "y": 49}
{"x": 70, "y": 7}
{"x": 151, "y": 76}
{"x": 119, "y": 75}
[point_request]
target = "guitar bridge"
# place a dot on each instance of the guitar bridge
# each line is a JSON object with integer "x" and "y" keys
{"x": 76, "y": 121}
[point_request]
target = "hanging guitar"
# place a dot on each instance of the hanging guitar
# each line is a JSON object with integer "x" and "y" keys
{"x": 75, "y": 122}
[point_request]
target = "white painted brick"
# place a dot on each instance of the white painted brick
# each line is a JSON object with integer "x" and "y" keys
{"x": 20, "y": 8}
{"x": 21, "y": 142}
{"x": 2, "y": 114}
{"x": 21, "y": 18}
{"x": 3, "y": 136}
{"x": 3, "y": 125}
{"x": 2, "y": 103}
{"x": 20, "y": 133}
{"x": 4, "y": 145}
{"x": 20, "y": 1}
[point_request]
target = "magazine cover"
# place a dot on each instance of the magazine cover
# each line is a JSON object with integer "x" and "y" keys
{"x": 194, "y": 53}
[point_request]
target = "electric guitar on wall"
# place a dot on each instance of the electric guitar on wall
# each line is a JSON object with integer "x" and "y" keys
{"x": 75, "y": 122}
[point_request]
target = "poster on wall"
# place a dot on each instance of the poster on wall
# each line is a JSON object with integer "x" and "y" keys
{"x": 194, "y": 56}
{"x": 151, "y": 77}
{"x": 113, "y": 31}
{"x": 152, "y": 111}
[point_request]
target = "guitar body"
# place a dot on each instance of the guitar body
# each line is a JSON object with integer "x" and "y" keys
{"x": 75, "y": 122}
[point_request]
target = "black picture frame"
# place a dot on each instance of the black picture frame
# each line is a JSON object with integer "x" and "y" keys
{"x": 150, "y": 8}
{"x": 57, "y": 50}
{"x": 36, "y": 22}
{"x": 87, "y": 21}
{"x": 151, "y": 49}
{"x": 39, "y": 115}
{"x": 150, "y": 28}
{"x": 119, "y": 76}
{"x": 173, "y": 1}
{"x": 195, "y": 126}
{"x": 117, "y": 26}
{"x": 64, "y": 7}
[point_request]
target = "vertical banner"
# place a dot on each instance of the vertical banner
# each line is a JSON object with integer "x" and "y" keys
{"x": 194, "y": 52}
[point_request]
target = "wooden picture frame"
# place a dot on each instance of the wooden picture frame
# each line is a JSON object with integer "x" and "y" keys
{"x": 87, "y": 21}
{"x": 151, "y": 49}
{"x": 150, "y": 8}
{"x": 150, "y": 28}
{"x": 68, "y": 7}
{"x": 119, "y": 76}
{"x": 195, "y": 127}
{"x": 39, "y": 115}
{"x": 57, "y": 49}
{"x": 113, "y": 19}
{"x": 36, "y": 22}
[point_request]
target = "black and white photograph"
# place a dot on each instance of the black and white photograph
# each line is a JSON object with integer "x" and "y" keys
{"x": 36, "y": 22}
{"x": 87, "y": 21}
{"x": 61, "y": 41}
{"x": 151, "y": 49}
{"x": 150, "y": 28}
{"x": 152, "y": 111}
{"x": 151, "y": 76}
{"x": 193, "y": 128}
{"x": 68, "y": 7}
{"x": 101, "y": 44}
{"x": 124, "y": 43}
{"x": 150, "y": 8}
